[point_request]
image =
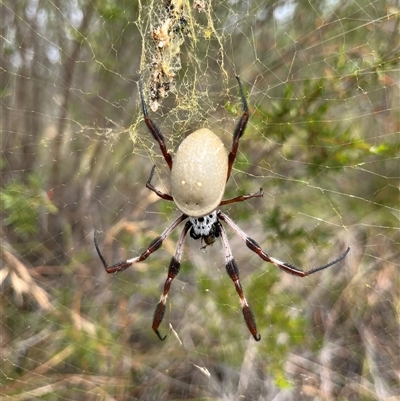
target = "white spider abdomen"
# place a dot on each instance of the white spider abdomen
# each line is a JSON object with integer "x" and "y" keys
{"x": 199, "y": 173}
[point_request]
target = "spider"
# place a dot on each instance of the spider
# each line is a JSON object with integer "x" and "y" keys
{"x": 199, "y": 172}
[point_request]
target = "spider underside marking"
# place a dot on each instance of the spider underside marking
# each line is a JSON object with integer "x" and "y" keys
{"x": 207, "y": 228}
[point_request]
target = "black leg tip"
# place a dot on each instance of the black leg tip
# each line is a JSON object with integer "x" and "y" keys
{"x": 98, "y": 249}
{"x": 159, "y": 335}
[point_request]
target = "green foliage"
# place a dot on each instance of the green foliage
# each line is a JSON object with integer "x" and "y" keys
{"x": 322, "y": 141}
{"x": 23, "y": 205}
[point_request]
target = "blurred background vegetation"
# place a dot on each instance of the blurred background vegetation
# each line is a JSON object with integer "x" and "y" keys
{"x": 322, "y": 82}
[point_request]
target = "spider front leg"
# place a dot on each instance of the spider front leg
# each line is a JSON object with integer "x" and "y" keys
{"x": 173, "y": 270}
{"x": 233, "y": 272}
{"x": 154, "y": 246}
{"x": 288, "y": 268}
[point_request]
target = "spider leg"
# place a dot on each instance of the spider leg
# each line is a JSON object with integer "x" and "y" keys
{"x": 173, "y": 270}
{"x": 157, "y": 135}
{"x": 253, "y": 246}
{"x": 233, "y": 272}
{"x": 242, "y": 198}
{"x": 239, "y": 130}
{"x": 154, "y": 246}
{"x": 155, "y": 190}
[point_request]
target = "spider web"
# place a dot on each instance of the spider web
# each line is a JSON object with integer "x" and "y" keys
{"x": 322, "y": 82}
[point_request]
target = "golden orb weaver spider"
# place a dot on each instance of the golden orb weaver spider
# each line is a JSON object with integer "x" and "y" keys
{"x": 199, "y": 172}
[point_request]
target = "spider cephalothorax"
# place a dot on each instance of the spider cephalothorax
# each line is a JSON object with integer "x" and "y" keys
{"x": 205, "y": 227}
{"x": 199, "y": 172}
